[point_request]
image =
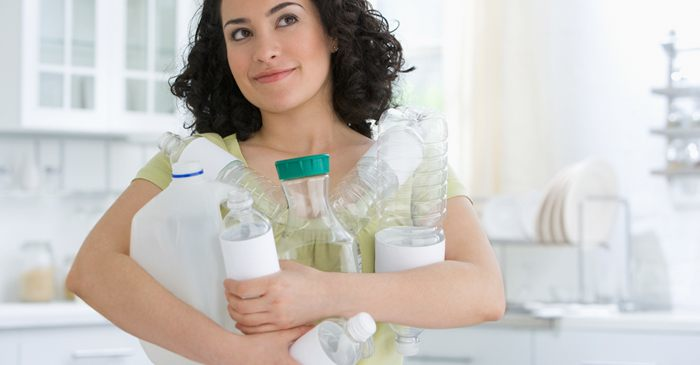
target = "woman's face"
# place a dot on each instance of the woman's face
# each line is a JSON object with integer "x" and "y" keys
{"x": 277, "y": 51}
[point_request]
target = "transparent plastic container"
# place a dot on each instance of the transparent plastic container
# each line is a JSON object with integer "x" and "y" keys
{"x": 400, "y": 148}
{"x": 175, "y": 238}
{"x": 404, "y": 248}
{"x": 247, "y": 241}
{"x": 313, "y": 235}
{"x": 219, "y": 165}
{"x": 355, "y": 197}
{"x": 336, "y": 342}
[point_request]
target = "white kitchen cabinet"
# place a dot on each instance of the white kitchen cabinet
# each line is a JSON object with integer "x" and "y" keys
{"x": 615, "y": 348}
{"x": 91, "y": 65}
{"x": 9, "y": 348}
{"x": 475, "y": 346}
{"x": 101, "y": 344}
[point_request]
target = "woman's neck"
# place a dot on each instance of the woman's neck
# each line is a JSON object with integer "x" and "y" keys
{"x": 303, "y": 131}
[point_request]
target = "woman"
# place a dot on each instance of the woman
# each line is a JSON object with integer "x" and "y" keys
{"x": 281, "y": 79}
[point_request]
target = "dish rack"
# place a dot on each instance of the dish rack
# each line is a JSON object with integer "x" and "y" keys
{"x": 682, "y": 129}
{"x": 579, "y": 264}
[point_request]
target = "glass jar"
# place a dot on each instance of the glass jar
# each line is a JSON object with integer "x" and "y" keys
{"x": 37, "y": 275}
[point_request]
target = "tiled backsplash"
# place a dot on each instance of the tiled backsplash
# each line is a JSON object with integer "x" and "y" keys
{"x": 55, "y": 188}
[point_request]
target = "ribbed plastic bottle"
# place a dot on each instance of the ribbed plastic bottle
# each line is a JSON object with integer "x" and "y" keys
{"x": 175, "y": 238}
{"x": 247, "y": 242}
{"x": 336, "y": 342}
{"x": 313, "y": 235}
{"x": 221, "y": 166}
{"x": 429, "y": 194}
{"x": 404, "y": 248}
{"x": 401, "y": 148}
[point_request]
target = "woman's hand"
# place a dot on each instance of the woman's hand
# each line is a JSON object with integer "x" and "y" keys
{"x": 268, "y": 348}
{"x": 292, "y": 297}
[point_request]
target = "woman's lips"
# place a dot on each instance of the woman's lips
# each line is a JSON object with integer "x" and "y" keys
{"x": 273, "y": 76}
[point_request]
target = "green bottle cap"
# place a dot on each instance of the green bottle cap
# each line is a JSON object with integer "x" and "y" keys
{"x": 296, "y": 168}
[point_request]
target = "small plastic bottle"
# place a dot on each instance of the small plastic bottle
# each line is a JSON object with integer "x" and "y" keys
{"x": 247, "y": 242}
{"x": 313, "y": 235}
{"x": 222, "y": 166}
{"x": 336, "y": 342}
{"x": 405, "y": 248}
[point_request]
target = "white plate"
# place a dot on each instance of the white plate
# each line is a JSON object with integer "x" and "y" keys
{"x": 593, "y": 178}
{"x": 560, "y": 192}
{"x": 544, "y": 217}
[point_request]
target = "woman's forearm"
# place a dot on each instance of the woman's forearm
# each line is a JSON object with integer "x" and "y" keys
{"x": 446, "y": 294}
{"x": 148, "y": 311}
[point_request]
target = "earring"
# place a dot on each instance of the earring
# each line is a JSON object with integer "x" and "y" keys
{"x": 335, "y": 48}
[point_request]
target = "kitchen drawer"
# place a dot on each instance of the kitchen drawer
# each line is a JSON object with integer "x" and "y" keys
{"x": 615, "y": 348}
{"x": 93, "y": 345}
{"x": 474, "y": 346}
{"x": 9, "y": 348}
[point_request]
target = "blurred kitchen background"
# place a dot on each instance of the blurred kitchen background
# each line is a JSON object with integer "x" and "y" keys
{"x": 574, "y": 124}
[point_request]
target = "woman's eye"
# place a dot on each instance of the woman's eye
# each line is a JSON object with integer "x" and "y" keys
{"x": 240, "y": 34}
{"x": 287, "y": 20}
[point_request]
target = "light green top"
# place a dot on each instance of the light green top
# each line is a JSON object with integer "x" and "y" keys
{"x": 158, "y": 171}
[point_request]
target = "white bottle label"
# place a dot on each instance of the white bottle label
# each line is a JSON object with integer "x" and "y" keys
{"x": 307, "y": 350}
{"x": 250, "y": 259}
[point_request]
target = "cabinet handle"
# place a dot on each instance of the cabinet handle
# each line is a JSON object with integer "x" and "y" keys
{"x": 443, "y": 359}
{"x": 103, "y": 353}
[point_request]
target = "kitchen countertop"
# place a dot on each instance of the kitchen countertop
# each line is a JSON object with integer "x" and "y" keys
{"x": 72, "y": 314}
{"x": 42, "y": 315}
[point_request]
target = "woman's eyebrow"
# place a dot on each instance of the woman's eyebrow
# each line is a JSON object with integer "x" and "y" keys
{"x": 270, "y": 12}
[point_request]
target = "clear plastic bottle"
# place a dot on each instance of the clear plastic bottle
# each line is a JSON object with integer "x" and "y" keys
{"x": 336, "y": 342}
{"x": 247, "y": 241}
{"x": 401, "y": 148}
{"x": 429, "y": 194}
{"x": 175, "y": 238}
{"x": 313, "y": 235}
{"x": 405, "y": 248}
{"x": 355, "y": 196}
{"x": 222, "y": 166}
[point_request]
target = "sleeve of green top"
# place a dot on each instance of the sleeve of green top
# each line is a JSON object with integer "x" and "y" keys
{"x": 157, "y": 170}
{"x": 454, "y": 186}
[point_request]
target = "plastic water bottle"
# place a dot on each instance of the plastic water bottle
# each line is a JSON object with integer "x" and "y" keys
{"x": 222, "y": 166}
{"x": 429, "y": 194}
{"x": 336, "y": 342}
{"x": 174, "y": 237}
{"x": 313, "y": 235}
{"x": 356, "y": 195}
{"x": 401, "y": 148}
{"x": 405, "y": 248}
{"x": 247, "y": 241}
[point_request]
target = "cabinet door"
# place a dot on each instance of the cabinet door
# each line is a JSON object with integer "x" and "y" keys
{"x": 59, "y": 65}
{"x": 475, "y": 346}
{"x": 151, "y": 41}
{"x": 9, "y": 348}
{"x": 615, "y": 348}
{"x": 81, "y": 345}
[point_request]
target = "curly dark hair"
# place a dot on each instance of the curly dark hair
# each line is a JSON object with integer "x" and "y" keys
{"x": 368, "y": 60}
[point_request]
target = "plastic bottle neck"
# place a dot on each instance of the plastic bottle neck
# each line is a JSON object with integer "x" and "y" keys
{"x": 308, "y": 200}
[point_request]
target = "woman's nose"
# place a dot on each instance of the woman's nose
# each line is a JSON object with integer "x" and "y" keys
{"x": 267, "y": 49}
